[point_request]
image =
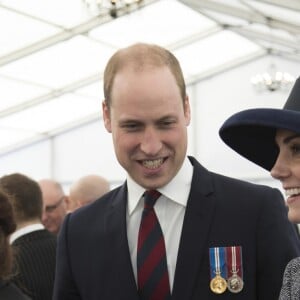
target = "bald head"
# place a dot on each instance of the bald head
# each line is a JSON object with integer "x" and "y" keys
{"x": 51, "y": 187}
{"x": 86, "y": 190}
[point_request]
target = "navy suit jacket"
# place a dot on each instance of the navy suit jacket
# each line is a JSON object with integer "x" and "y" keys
{"x": 93, "y": 260}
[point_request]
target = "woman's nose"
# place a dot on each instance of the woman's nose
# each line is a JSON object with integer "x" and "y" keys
{"x": 280, "y": 170}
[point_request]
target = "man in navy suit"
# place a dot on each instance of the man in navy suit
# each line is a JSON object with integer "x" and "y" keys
{"x": 224, "y": 238}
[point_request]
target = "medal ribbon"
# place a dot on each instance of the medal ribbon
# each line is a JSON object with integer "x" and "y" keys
{"x": 234, "y": 260}
{"x": 217, "y": 262}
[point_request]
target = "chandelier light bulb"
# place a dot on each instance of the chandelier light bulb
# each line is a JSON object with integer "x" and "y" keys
{"x": 272, "y": 80}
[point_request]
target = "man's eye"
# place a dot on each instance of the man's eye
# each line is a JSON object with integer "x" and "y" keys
{"x": 167, "y": 123}
{"x": 131, "y": 126}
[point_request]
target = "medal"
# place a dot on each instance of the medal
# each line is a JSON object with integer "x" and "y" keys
{"x": 235, "y": 282}
{"x": 218, "y": 284}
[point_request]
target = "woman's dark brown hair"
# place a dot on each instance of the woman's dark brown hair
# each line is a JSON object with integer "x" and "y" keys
{"x": 7, "y": 226}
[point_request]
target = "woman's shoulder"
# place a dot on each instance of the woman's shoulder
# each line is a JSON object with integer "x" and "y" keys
{"x": 293, "y": 266}
{"x": 291, "y": 281}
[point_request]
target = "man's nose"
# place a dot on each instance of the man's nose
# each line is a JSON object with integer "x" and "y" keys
{"x": 151, "y": 142}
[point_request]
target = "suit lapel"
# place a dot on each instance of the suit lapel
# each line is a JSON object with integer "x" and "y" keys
{"x": 121, "y": 268}
{"x": 193, "y": 244}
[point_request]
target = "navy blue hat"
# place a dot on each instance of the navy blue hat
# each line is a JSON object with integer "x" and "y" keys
{"x": 251, "y": 133}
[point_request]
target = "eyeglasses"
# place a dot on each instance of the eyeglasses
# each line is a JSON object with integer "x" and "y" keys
{"x": 53, "y": 207}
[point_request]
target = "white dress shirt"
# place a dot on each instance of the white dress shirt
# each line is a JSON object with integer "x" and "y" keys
{"x": 170, "y": 210}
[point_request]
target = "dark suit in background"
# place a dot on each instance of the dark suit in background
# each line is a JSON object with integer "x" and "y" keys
{"x": 220, "y": 212}
{"x": 35, "y": 261}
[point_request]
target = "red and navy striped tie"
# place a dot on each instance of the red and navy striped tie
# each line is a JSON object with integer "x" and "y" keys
{"x": 152, "y": 270}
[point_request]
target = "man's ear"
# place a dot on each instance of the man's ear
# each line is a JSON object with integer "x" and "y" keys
{"x": 106, "y": 116}
{"x": 187, "y": 111}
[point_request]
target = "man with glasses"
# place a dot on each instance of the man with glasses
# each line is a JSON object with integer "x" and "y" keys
{"x": 54, "y": 204}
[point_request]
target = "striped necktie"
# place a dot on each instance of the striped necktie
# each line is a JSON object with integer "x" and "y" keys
{"x": 152, "y": 270}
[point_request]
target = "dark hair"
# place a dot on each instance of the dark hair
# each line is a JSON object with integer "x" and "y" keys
{"x": 7, "y": 226}
{"x": 26, "y": 196}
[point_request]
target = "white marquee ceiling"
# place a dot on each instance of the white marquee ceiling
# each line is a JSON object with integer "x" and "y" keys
{"x": 53, "y": 52}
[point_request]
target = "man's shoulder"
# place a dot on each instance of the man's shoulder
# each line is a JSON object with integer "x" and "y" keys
{"x": 40, "y": 241}
{"x": 238, "y": 187}
{"x": 228, "y": 182}
{"x": 36, "y": 235}
{"x": 100, "y": 206}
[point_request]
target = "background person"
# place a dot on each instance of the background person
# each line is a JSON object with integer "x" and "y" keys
{"x": 34, "y": 246}
{"x": 86, "y": 190}
{"x": 8, "y": 290}
{"x": 101, "y": 254}
{"x": 271, "y": 138}
{"x": 54, "y": 203}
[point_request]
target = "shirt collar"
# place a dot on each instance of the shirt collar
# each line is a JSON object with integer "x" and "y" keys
{"x": 24, "y": 230}
{"x": 177, "y": 189}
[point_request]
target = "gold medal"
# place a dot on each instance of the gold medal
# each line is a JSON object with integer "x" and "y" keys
{"x": 218, "y": 284}
{"x": 235, "y": 283}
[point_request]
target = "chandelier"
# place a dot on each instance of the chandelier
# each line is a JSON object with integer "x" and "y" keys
{"x": 272, "y": 80}
{"x": 109, "y": 6}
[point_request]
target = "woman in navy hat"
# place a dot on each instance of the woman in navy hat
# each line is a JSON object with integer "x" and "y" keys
{"x": 271, "y": 139}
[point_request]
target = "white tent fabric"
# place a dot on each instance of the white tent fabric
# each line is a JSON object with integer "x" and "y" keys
{"x": 52, "y": 55}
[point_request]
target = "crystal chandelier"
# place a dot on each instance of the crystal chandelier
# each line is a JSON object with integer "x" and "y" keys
{"x": 272, "y": 80}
